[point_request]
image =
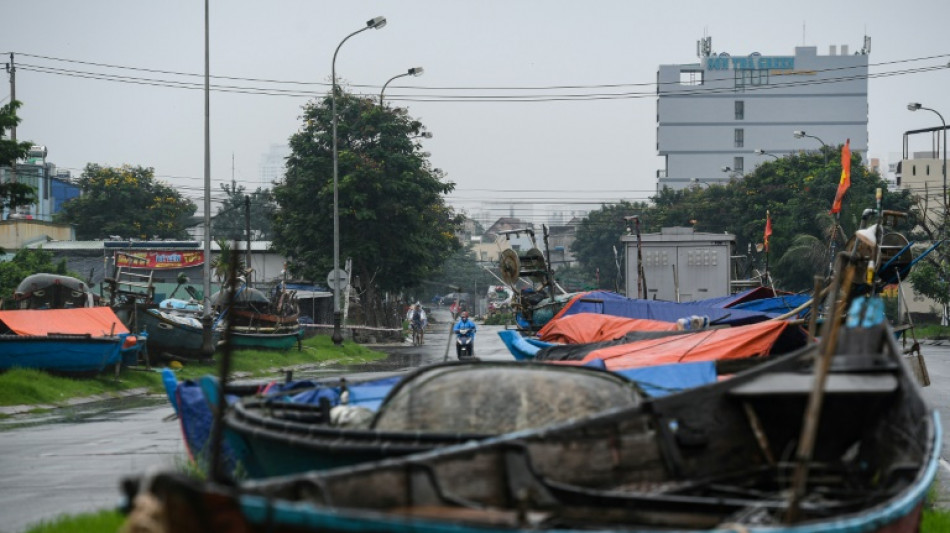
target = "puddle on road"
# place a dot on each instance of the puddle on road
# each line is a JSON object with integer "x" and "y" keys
{"x": 92, "y": 412}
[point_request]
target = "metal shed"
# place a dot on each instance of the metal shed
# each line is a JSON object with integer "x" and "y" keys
{"x": 679, "y": 264}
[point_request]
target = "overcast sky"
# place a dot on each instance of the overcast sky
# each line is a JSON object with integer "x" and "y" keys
{"x": 569, "y": 152}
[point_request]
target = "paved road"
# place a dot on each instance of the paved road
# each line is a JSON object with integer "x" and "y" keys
{"x": 72, "y": 461}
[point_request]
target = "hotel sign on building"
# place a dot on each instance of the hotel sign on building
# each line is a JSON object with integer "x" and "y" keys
{"x": 751, "y": 62}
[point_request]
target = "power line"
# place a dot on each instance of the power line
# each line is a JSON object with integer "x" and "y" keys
{"x": 450, "y": 88}
{"x": 479, "y": 98}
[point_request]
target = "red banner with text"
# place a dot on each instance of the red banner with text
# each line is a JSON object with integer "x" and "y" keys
{"x": 160, "y": 259}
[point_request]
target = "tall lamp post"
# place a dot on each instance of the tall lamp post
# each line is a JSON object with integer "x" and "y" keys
{"x": 374, "y": 23}
{"x": 914, "y": 106}
{"x": 415, "y": 71}
{"x": 759, "y": 151}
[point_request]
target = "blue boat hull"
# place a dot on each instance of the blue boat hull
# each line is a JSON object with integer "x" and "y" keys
{"x": 66, "y": 354}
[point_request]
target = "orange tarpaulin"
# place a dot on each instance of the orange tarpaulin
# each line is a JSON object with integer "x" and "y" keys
{"x": 707, "y": 345}
{"x": 592, "y": 327}
{"x": 96, "y": 321}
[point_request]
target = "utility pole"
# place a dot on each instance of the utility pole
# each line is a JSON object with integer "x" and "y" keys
{"x": 247, "y": 233}
{"x": 11, "y": 68}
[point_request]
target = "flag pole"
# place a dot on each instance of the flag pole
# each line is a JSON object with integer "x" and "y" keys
{"x": 765, "y": 242}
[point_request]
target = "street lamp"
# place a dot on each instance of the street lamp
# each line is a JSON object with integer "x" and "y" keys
{"x": 798, "y": 134}
{"x": 415, "y": 71}
{"x": 759, "y": 151}
{"x": 914, "y": 106}
{"x": 374, "y": 23}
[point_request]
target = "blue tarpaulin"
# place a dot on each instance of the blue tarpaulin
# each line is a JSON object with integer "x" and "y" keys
{"x": 610, "y": 303}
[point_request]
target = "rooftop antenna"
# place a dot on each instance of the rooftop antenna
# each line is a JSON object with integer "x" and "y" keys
{"x": 803, "y": 33}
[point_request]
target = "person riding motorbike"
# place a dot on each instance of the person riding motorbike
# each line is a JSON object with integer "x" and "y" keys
{"x": 417, "y": 320}
{"x": 465, "y": 327}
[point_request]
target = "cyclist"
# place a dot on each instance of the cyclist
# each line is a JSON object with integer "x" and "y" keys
{"x": 417, "y": 320}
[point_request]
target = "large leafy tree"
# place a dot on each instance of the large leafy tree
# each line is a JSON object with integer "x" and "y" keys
{"x": 797, "y": 191}
{"x": 12, "y": 193}
{"x": 394, "y": 223}
{"x": 126, "y": 201}
{"x": 598, "y": 236}
{"x": 230, "y": 221}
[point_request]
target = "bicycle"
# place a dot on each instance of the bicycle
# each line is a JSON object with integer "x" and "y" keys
{"x": 417, "y": 334}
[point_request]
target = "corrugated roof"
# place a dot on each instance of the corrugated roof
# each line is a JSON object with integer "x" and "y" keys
{"x": 256, "y": 246}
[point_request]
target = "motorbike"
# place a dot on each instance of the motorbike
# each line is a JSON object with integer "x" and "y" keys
{"x": 464, "y": 343}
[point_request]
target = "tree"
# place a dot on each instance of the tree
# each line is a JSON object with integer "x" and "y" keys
{"x": 596, "y": 238}
{"x": 462, "y": 270}
{"x": 394, "y": 223}
{"x": 230, "y": 220}
{"x": 798, "y": 191}
{"x": 10, "y": 151}
{"x": 126, "y": 201}
{"x": 13, "y": 194}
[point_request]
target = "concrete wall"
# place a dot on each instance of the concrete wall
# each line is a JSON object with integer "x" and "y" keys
{"x": 15, "y": 234}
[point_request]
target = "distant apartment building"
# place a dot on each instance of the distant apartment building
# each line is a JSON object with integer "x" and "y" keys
{"x": 52, "y": 186}
{"x": 721, "y": 117}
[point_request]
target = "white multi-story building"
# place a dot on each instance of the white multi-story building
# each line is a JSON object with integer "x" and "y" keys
{"x": 721, "y": 117}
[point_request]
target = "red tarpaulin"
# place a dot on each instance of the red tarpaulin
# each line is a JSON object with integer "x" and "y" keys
{"x": 96, "y": 321}
{"x": 707, "y": 345}
{"x": 592, "y": 327}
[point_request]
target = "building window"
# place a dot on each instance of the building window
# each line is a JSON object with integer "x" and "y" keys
{"x": 754, "y": 77}
{"x": 738, "y": 164}
{"x": 740, "y": 137}
{"x": 691, "y": 77}
{"x": 740, "y": 110}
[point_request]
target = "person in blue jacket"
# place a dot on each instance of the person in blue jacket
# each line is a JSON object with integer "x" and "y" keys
{"x": 466, "y": 323}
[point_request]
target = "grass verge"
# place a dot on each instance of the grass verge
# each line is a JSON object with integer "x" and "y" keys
{"x": 34, "y": 387}
{"x": 100, "y": 522}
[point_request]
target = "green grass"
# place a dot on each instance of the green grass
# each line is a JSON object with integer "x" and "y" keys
{"x": 100, "y": 522}
{"x": 932, "y": 331}
{"x": 34, "y": 387}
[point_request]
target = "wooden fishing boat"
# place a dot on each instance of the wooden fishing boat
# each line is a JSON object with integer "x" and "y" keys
{"x": 433, "y": 407}
{"x": 724, "y": 456}
{"x": 66, "y": 341}
{"x": 174, "y": 335}
{"x": 52, "y": 291}
{"x": 266, "y": 338}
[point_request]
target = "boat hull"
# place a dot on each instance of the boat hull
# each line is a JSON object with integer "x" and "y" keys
{"x": 266, "y": 341}
{"x": 167, "y": 336}
{"x": 64, "y": 354}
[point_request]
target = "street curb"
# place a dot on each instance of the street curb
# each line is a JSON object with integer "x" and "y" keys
{"x": 20, "y": 409}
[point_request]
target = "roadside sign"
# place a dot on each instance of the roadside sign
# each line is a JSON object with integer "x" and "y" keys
{"x": 337, "y": 279}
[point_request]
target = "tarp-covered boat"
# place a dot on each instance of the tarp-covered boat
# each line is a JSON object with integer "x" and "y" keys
{"x": 640, "y": 349}
{"x": 581, "y": 328}
{"x": 610, "y": 303}
{"x": 80, "y": 340}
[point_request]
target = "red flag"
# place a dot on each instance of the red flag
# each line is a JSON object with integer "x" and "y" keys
{"x": 845, "y": 176}
{"x": 768, "y": 231}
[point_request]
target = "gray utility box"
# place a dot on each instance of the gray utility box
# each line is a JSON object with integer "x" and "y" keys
{"x": 680, "y": 265}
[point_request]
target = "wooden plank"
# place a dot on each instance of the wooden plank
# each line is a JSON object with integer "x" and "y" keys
{"x": 790, "y": 383}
